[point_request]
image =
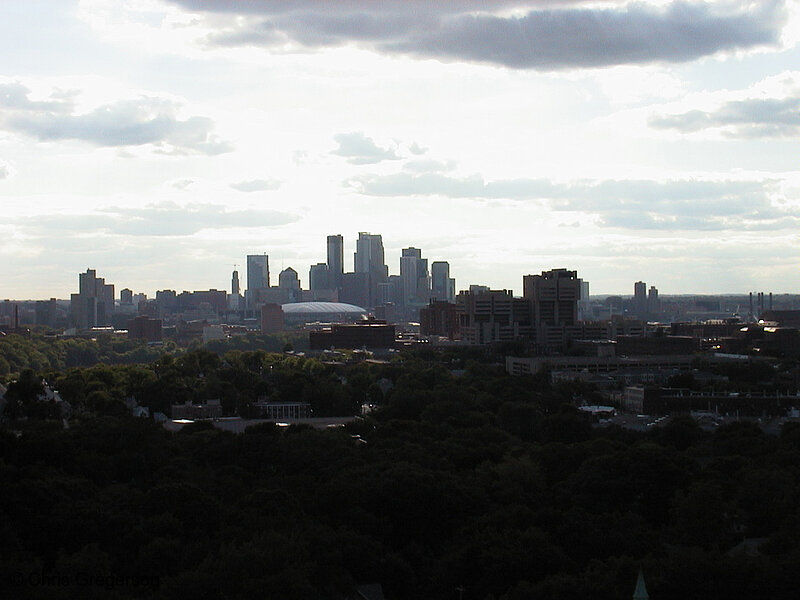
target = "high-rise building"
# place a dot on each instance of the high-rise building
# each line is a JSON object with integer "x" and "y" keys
{"x": 235, "y": 283}
{"x": 493, "y": 316}
{"x": 554, "y": 297}
{"x": 443, "y": 287}
{"x": 584, "y": 306}
{"x": 640, "y": 299}
{"x": 414, "y": 276}
{"x": 257, "y": 278}
{"x": 369, "y": 259}
{"x": 653, "y": 303}
{"x": 288, "y": 279}
{"x": 335, "y": 259}
{"x": 93, "y": 305}
{"x": 319, "y": 277}
{"x": 257, "y": 271}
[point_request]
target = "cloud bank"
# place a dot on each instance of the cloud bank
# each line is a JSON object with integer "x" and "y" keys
{"x": 132, "y": 122}
{"x": 631, "y": 204}
{"x": 522, "y": 35}
{"x": 751, "y": 118}
{"x": 164, "y": 219}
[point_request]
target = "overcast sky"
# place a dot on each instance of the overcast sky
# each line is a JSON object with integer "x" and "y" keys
{"x": 160, "y": 142}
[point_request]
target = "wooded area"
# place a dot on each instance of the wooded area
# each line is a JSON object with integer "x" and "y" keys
{"x": 464, "y": 477}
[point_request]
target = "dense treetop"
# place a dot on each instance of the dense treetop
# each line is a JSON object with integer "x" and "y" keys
{"x": 462, "y": 477}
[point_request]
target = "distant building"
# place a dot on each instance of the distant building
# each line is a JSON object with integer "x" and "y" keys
{"x": 288, "y": 280}
{"x": 369, "y": 259}
{"x": 440, "y": 318}
{"x": 215, "y": 301}
{"x": 213, "y": 332}
{"x": 46, "y": 312}
{"x": 209, "y": 409}
{"x": 319, "y": 277}
{"x": 271, "y": 318}
{"x": 640, "y": 299}
{"x": 494, "y": 316}
{"x": 93, "y": 305}
{"x": 235, "y": 283}
{"x": 414, "y": 277}
{"x": 145, "y": 328}
{"x": 554, "y": 296}
{"x": 784, "y": 318}
{"x": 369, "y": 333}
{"x": 282, "y": 410}
{"x": 355, "y": 289}
{"x": 653, "y": 303}
{"x": 335, "y": 259}
{"x": 443, "y": 287}
{"x": 257, "y": 276}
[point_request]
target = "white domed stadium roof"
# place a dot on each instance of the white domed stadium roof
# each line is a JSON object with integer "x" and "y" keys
{"x": 321, "y": 308}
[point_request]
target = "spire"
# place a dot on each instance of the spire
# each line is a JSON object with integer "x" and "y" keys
{"x": 640, "y": 593}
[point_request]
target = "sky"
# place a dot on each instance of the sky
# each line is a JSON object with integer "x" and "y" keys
{"x": 161, "y": 141}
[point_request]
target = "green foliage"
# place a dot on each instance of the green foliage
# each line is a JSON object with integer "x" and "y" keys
{"x": 469, "y": 479}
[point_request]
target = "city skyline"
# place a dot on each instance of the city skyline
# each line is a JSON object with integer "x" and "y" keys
{"x": 506, "y": 140}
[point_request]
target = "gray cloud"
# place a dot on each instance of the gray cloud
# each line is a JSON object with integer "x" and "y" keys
{"x": 144, "y": 120}
{"x": 540, "y": 35}
{"x": 165, "y": 219}
{"x": 752, "y": 118}
{"x": 429, "y": 165}
{"x": 15, "y": 96}
{"x": 415, "y": 148}
{"x": 636, "y": 204}
{"x": 4, "y": 171}
{"x": 257, "y": 185}
{"x": 359, "y": 149}
{"x": 438, "y": 184}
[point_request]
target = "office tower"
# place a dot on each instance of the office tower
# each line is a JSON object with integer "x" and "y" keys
{"x": 257, "y": 278}
{"x": 319, "y": 277}
{"x": 442, "y": 285}
{"x": 369, "y": 259}
{"x": 584, "y": 307}
{"x": 640, "y": 299}
{"x": 355, "y": 289}
{"x": 235, "y": 283}
{"x": 554, "y": 299}
{"x": 271, "y": 318}
{"x": 493, "y": 316}
{"x": 126, "y": 296}
{"x": 288, "y": 279}
{"x": 555, "y": 296}
{"x": 336, "y": 259}
{"x": 46, "y": 312}
{"x": 257, "y": 271}
{"x": 414, "y": 275}
{"x": 653, "y": 303}
{"x": 93, "y": 305}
